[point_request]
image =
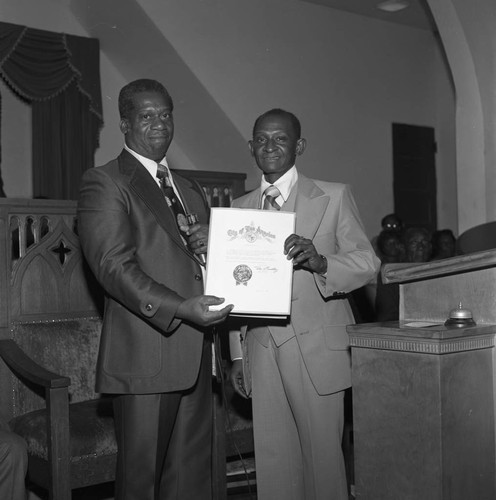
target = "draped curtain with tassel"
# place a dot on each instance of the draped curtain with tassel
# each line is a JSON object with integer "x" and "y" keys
{"x": 59, "y": 75}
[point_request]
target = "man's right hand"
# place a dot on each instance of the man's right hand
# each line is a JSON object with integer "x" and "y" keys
{"x": 196, "y": 310}
{"x": 237, "y": 379}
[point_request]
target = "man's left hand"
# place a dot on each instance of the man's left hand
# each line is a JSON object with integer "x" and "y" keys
{"x": 197, "y": 236}
{"x": 304, "y": 254}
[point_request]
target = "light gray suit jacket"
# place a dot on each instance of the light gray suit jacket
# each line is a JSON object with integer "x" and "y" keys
{"x": 327, "y": 214}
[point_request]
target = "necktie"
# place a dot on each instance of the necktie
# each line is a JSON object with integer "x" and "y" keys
{"x": 176, "y": 206}
{"x": 271, "y": 193}
{"x": 172, "y": 200}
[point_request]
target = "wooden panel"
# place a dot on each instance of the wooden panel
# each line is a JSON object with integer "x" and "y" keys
{"x": 429, "y": 291}
{"x": 423, "y": 398}
{"x": 47, "y": 278}
{"x": 433, "y": 299}
{"x": 220, "y": 187}
{"x": 423, "y": 425}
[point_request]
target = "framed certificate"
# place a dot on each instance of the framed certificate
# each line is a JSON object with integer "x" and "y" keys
{"x": 246, "y": 263}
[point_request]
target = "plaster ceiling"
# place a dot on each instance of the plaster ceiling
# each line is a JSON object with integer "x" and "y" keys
{"x": 416, "y": 15}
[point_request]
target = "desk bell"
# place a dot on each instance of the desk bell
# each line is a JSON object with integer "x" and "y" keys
{"x": 460, "y": 317}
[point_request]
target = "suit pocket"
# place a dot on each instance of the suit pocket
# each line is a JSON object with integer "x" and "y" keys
{"x": 326, "y": 355}
{"x": 336, "y": 337}
{"x": 328, "y": 337}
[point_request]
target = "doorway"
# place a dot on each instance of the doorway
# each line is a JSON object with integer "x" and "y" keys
{"x": 414, "y": 175}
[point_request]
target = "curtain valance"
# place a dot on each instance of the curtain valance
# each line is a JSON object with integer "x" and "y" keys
{"x": 38, "y": 65}
{"x": 59, "y": 75}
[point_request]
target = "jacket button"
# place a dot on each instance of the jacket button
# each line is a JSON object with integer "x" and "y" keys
{"x": 148, "y": 307}
{"x": 198, "y": 277}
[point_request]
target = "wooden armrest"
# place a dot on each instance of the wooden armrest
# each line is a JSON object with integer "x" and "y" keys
{"x": 21, "y": 363}
{"x": 57, "y": 406}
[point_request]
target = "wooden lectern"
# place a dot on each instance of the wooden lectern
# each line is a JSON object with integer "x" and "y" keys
{"x": 423, "y": 395}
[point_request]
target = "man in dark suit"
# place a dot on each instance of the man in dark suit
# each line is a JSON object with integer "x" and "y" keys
{"x": 298, "y": 368}
{"x": 155, "y": 354}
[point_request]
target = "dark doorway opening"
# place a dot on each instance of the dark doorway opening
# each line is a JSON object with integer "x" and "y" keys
{"x": 414, "y": 175}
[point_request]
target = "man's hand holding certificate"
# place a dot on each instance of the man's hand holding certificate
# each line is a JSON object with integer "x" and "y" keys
{"x": 246, "y": 263}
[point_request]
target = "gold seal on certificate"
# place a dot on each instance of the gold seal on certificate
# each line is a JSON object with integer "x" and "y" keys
{"x": 242, "y": 274}
{"x": 246, "y": 263}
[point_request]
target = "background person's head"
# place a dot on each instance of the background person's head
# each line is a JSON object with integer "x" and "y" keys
{"x": 391, "y": 247}
{"x": 443, "y": 244}
{"x": 391, "y": 222}
{"x": 418, "y": 244}
{"x": 145, "y": 109}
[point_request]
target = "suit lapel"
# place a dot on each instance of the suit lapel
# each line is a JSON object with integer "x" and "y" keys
{"x": 147, "y": 189}
{"x": 250, "y": 200}
{"x": 310, "y": 206}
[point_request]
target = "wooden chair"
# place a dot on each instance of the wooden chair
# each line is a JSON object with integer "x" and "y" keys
{"x": 49, "y": 335}
{"x": 68, "y": 428}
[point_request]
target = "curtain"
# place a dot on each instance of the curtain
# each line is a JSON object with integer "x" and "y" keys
{"x": 2, "y": 192}
{"x": 59, "y": 75}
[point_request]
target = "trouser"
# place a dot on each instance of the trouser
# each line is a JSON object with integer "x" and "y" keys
{"x": 13, "y": 466}
{"x": 165, "y": 442}
{"x": 297, "y": 432}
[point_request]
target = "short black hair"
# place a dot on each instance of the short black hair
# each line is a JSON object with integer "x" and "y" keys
{"x": 127, "y": 93}
{"x": 412, "y": 231}
{"x": 437, "y": 235}
{"x": 281, "y": 112}
{"x": 384, "y": 237}
{"x": 391, "y": 216}
{"x": 443, "y": 232}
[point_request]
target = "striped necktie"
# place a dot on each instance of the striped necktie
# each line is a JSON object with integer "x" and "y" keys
{"x": 177, "y": 208}
{"x": 172, "y": 200}
{"x": 270, "y": 195}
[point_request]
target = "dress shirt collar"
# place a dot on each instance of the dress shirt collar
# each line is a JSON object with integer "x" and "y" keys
{"x": 285, "y": 184}
{"x": 150, "y": 165}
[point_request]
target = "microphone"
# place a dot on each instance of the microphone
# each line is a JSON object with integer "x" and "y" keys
{"x": 192, "y": 219}
{"x": 189, "y": 220}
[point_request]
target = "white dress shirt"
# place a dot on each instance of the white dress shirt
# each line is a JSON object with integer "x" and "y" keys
{"x": 285, "y": 184}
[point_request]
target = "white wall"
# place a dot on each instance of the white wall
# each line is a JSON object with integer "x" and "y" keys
{"x": 480, "y": 36}
{"x": 467, "y": 30}
{"x": 347, "y": 77}
{"x": 447, "y": 213}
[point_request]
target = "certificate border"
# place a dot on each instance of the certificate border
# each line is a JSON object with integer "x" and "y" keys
{"x": 260, "y": 313}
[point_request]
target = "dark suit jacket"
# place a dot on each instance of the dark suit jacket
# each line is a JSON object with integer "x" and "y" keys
{"x": 132, "y": 244}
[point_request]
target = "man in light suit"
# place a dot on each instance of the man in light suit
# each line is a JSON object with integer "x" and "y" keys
{"x": 155, "y": 354}
{"x": 296, "y": 370}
